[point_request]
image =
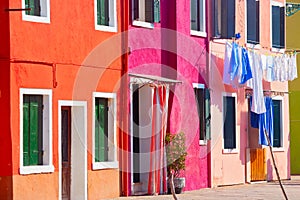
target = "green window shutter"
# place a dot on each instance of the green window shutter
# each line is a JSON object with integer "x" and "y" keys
{"x": 136, "y": 9}
{"x": 229, "y": 122}
{"x": 207, "y": 114}
{"x": 103, "y": 12}
{"x": 35, "y": 7}
{"x": 32, "y": 130}
{"x": 25, "y": 132}
{"x": 149, "y": 11}
{"x": 33, "y": 144}
{"x": 156, "y": 10}
{"x": 101, "y": 130}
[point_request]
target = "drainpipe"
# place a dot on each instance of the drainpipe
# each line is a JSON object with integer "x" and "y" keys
{"x": 124, "y": 149}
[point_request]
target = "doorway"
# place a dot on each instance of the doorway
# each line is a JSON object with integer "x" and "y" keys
{"x": 72, "y": 149}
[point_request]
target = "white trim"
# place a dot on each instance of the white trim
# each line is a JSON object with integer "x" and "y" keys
{"x": 113, "y": 163}
{"x": 200, "y": 86}
{"x": 47, "y": 131}
{"x": 282, "y": 131}
{"x": 143, "y": 24}
{"x": 72, "y": 104}
{"x": 236, "y": 149}
{"x": 200, "y": 33}
{"x": 40, "y": 19}
{"x": 112, "y": 15}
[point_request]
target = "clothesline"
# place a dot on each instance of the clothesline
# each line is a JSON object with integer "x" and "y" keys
{"x": 249, "y": 93}
{"x": 243, "y": 68}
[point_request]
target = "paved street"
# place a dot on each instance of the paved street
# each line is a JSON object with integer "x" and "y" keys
{"x": 257, "y": 191}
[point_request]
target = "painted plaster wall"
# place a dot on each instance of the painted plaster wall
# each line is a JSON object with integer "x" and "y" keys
{"x": 183, "y": 57}
{"x": 234, "y": 168}
{"x": 292, "y": 34}
{"x": 75, "y": 47}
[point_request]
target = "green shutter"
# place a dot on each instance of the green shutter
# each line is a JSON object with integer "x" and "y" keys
{"x": 207, "y": 114}
{"x": 25, "y": 132}
{"x": 149, "y": 11}
{"x": 156, "y": 10}
{"x": 33, "y": 145}
{"x": 103, "y": 12}
{"x": 32, "y": 130}
{"x": 101, "y": 131}
{"x": 35, "y": 6}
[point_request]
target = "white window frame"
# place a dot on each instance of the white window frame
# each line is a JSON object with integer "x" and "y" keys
{"x": 45, "y": 8}
{"x": 140, "y": 23}
{"x": 236, "y": 149}
{"x": 113, "y": 26}
{"x": 200, "y": 33}
{"x": 249, "y": 45}
{"x": 281, "y": 148}
{"x": 47, "y": 132}
{"x": 200, "y": 86}
{"x": 275, "y": 3}
{"x": 112, "y": 131}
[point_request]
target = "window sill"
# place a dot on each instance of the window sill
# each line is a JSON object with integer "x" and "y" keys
{"x": 198, "y": 33}
{"x": 143, "y": 24}
{"x": 230, "y": 151}
{"x": 277, "y": 50}
{"x": 278, "y": 149}
{"x": 202, "y": 142}
{"x": 38, "y": 19}
{"x": 253, "y": 46}
{"x": 36, "y": 169}
{"x": 106, "y": 28}
{"x": 105, "y": 165}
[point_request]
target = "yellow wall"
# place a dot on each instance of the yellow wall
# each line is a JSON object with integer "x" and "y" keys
{"x": 293, "y": 42}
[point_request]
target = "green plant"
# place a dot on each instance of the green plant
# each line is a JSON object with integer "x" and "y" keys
{"x": 176, "y": 153}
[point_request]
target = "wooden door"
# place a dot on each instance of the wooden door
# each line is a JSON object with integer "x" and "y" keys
{"x": 66, "y": 151}
{"x": 258, "y": 164}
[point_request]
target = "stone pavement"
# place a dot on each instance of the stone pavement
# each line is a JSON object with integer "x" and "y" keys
{"x": 257, "y": 191}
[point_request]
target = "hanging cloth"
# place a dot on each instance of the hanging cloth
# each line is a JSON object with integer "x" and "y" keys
{"x": 227, "y": 57}
{"x": 157, "y": 176}
{"x": 246, "y": 68}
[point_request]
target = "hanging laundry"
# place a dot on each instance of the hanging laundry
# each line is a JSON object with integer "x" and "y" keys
{"x": 246, "y": 68}
{"x": 270, "y": 69}
{"x": 234, "y": 61}
{"x": 293, "y": 73}
{"x": 227, "y": 57}
{"x": 255, "y": 83}
{"x": 264, "y": 122}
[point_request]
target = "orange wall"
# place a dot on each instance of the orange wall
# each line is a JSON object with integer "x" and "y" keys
{"x": 84, "y": 63}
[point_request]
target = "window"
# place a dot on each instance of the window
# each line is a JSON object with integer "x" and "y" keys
{"x": 203, "y": 107}
{"x": 39, "y": 10}
{"x": 145, "y": 12}
{"x": 277, "y": 123}
{"x": 104, "y": 140}
{"x": 229, "y": 120}
{"x": 198, "y": 18}
{"x": 278, "y": 26}
{"x": 224, "y": 18}
{"x": 35, "y": 131}
{"x": 105, "y": 15}
{"x": 253, "y": 21}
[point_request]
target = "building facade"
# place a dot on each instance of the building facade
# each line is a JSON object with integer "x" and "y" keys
{"x": 60, "y": 67}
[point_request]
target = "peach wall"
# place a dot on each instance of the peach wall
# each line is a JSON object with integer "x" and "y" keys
{"x": 234, "y": 168}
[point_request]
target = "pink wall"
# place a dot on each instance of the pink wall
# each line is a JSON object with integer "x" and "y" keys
{"x": 170, "y": 51}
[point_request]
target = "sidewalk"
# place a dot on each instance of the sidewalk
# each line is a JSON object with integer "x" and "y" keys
{"x": 258, "y": 191}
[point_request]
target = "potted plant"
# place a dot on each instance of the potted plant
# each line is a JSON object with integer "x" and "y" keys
{"x": 176, "y": 156}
